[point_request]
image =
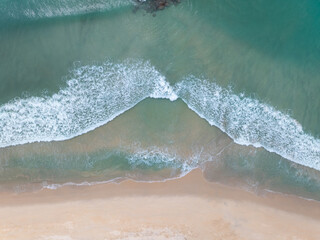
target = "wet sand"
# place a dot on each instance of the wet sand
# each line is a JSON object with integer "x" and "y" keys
{"x": 186, "y": 208}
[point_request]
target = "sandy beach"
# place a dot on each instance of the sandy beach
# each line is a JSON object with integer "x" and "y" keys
{"x": 186, "y": 208}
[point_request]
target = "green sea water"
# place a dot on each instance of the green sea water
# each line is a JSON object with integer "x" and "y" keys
{"x": 240, "y": 82}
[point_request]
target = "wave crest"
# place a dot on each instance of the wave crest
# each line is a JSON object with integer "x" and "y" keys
{"x": 96, "y": 94}
{"x": 249, "y": 122}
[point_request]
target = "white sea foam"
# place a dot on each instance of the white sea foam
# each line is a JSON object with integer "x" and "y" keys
{"x": 37, "y": 9}
{"x": 163, "y": 89}
{"x": 138, "y": 157}
{"x": 55, "y": 186}
{"x": 164, "y": 158}
{"x": 249, "y": 122}
{"x": 96, "y": 94}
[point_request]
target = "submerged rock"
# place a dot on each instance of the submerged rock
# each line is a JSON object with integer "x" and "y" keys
{"x": 152, "y": 6}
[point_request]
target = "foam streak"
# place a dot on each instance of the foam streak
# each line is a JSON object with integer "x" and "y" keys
{"x": 40, "y": 9}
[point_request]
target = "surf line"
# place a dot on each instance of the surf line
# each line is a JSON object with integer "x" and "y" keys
{"x": 96, "y": 94}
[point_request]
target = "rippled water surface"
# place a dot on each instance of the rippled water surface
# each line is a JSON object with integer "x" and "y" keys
{"x": 94, "y": 90}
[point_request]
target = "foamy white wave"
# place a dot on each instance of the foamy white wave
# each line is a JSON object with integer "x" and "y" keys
{"x": 250, "y": 122}
{"x": 34, "y": 9}
{"x": 153, "y": 155}
{"x": 163, "y": 89}
{"x": 164, "y": 158}
{"x": 94, "y": 95}
{"x": 138, "y": 156}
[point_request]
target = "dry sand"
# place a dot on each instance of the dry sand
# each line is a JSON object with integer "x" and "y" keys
{"x": 186, "y": 208}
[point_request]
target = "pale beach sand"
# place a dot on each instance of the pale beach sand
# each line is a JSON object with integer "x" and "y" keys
{"x": 186, "y": 208}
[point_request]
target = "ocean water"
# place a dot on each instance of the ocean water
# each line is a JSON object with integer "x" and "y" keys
{"x": 95, "y": 91}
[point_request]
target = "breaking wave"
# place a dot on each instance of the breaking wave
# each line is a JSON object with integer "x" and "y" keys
{"x": 249, "y": 122}
{"x": 96, "y": 94}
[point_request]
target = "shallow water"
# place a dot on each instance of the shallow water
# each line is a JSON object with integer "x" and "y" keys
{"x": 227, "y": 86}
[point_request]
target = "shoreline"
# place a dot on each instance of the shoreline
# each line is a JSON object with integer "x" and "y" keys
{"x": 186, "y": 208}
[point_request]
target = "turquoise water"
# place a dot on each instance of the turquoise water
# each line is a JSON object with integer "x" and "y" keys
{"x": 92, "y": 91}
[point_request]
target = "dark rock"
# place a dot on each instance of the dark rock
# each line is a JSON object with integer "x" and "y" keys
{"x": 151, "y": 6}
